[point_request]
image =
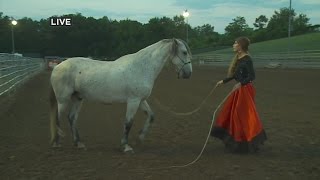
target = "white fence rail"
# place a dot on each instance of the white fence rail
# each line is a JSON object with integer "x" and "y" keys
{"x": 292, "y": 59}
{"x": 14, "y": 70}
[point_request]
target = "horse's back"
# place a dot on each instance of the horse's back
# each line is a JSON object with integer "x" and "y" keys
{"x": 75, "y": 64}
{"x": 66, "y": 71}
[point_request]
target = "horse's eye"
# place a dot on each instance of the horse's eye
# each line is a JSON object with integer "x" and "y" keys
{"x": 185, "y": 52}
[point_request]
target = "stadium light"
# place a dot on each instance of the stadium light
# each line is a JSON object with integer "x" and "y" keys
{"x": 186, "y": 15}
{"x": 13, "y": 23}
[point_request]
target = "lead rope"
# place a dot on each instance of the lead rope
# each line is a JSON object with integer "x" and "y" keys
{"x": 204, "y": 146}
{"x": 184, "y": 113}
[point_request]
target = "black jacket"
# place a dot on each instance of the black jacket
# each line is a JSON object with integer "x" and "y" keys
{"x": 244, "y": 72}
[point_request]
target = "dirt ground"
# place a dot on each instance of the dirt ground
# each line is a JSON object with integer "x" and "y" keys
{"x": 287, "y": 101}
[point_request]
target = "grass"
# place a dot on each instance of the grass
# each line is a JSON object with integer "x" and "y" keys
{"x": 295, "y": 43}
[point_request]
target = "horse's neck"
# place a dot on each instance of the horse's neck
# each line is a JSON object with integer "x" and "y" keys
{"x": 154, "y": 59}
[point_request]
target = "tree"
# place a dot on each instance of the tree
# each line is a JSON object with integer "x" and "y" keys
{"x": 315, "y": 28}
{"x": 205, "y": 36}
{"x": 260, "y": 22}
{"x": 237, "y": 28}
{"x": 5, "y": 34}
{"x": 259, "y": 34}
{"x": 278, "y": 23}
{"x": 179, "y": 21}
{"x": 110, "y": 38}
{"x": 205, "y": 30}
{"x": 301, "y": 25}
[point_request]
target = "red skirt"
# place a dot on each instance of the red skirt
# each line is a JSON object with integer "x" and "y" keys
{"x": 238, "y": 123}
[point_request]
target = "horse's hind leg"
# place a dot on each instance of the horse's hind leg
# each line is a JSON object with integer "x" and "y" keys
{"x": 73, "y": 116}
{"x": 132, "y": 107}
{"x": 61, "y": 108}
{"x": 146, "y": 108}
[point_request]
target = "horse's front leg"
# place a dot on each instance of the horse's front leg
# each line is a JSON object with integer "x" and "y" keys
{"x": 132, "y": 107}
{"x": 144, "y": 106}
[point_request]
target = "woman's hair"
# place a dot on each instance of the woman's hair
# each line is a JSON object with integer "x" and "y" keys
{"x": 244, "y": 43}
{"x": 232, "y": 66}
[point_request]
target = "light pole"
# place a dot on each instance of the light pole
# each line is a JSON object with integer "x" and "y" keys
{"x": 186, "y": 15}
{"x": 289, "y": 28}
{"x": 13, "y": 23}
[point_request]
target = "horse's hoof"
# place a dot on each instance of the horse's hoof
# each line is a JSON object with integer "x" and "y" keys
{"x": 56, "y": 145}
{"x": 128, "y": 150}
{"x": 81, "y": 146}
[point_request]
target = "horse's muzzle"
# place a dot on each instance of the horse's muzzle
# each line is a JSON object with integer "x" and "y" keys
{"x": 187, "y": 75}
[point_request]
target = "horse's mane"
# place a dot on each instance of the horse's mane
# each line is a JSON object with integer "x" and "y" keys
{"x": 174, "y": 47}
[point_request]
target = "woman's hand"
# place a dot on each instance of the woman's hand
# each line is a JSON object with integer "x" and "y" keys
{"x": 219, "y": 83}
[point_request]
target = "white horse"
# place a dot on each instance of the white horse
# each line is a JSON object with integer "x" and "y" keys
{"x": 129, "y": 79}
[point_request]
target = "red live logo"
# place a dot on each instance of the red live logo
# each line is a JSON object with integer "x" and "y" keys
{"x": 54, "y": 21}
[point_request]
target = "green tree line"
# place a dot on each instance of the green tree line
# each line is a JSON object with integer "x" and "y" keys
{"x": 105, "y": 37}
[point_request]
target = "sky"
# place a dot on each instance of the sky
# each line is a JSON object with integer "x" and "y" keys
{"x": 218, "y": 13}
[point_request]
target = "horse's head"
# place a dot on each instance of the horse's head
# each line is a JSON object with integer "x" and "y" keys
{"x": 181, "y": 58}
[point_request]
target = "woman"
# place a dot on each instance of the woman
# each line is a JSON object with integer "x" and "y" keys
{"x": 238, "y": 125}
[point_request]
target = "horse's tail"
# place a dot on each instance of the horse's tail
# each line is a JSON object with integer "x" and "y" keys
{"x": 54, "y": 129}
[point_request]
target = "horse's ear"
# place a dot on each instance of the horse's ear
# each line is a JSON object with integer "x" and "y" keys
{"x": 174, "y": 47}
{"x": 175, "y": 41}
